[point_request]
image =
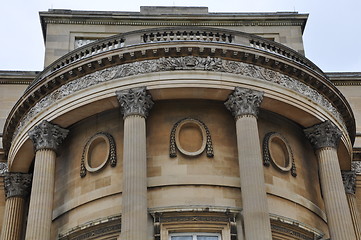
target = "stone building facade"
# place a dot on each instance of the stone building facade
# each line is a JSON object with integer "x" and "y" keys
{"x": 174, "y": 123}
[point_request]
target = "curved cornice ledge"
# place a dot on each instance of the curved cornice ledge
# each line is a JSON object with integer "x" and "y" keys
{"x": 281, "y": 66}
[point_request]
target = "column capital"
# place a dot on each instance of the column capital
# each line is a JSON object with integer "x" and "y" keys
{"x": 134, "y": 101}
{"x": 47, "y": 136}
{"x": 244, "y": 101}
{"x": 356, "y": 167}
{"x": 3, "y": 168}
{"x": 349, "y": 181}
{"x": 17, "y": 184}
{"x": 322, "y": 135}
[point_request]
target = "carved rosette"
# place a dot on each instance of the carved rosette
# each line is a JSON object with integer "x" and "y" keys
{"x": 349, "y": 181}
{"x": 47, "y": 136}
{"x": 17, "y": 184}
{"x": 323, "y": 135}
{"x": 244, "y": 101}
{"x": 135, "y": 101}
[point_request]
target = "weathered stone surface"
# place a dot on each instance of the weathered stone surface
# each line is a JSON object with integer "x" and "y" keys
{"x": 349, "y": 181}
{"x": 322, "y": 135}
{"x": 244, "y": 102}
{"x": 135, "y": 101}
{"x": 17, "y": 184}
{"x": 47, "y": 136}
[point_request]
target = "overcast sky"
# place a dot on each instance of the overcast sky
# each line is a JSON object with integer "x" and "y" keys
{"x": 332, "y": 37}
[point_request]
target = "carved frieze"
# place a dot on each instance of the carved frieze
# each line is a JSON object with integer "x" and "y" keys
{"x": 180, "y": 63}
{"x": 322, "y": 135}
{"x": 349, "y": 181}
{"x": 17, "y": 184}
{"x": 134, "y": 101}
{"x": 276, "y": 140}
{"x": 110, "y": 153}
{"x": 47, "y": 136}
{"x": 206, "y": 138}
{"x": 244, "y": 101}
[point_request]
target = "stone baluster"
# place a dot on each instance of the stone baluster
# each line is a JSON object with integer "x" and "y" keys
{"x": 325, "y": 137}
{"x": 46, "y": 138}
{"x": 349, "y": 182}
{"x": 17, "y": 188}
{"x": 244, "y": 105}
{"x": 134, "y": 104}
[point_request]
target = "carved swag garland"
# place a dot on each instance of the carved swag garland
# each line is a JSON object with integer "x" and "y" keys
{"x": 181, "y": 63}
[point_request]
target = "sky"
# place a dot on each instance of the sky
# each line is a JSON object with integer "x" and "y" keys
{"x": 332, "y": 38}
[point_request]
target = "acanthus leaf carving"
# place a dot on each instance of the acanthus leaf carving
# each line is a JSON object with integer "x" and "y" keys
{"x": 47, "y": 136}
{"x": 244, "y": 101}
{"x": 178, "y": 63}
{"x": 17, "y": 184}
{"x": 322, "y": 135}
{"x": 349, "y": 181}
{"x": 134, "y": 101}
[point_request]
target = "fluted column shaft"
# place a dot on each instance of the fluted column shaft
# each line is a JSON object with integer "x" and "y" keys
{"x": 46, "y": 138}
{"x": 13, "y": 219}
{"x": 244, "y": 104}
{"x": 337, "y": 209}
{"x": 349, "y": 182}
{"x": 324, "y": 138}
{"x": 17, "y": 187}
{"x": 255, "y": 207}
{"x": 355, "y": 215}
{"x": 134, "y": 198}
{"x": 134, "y": 104}
{"x": 41, "y": 198}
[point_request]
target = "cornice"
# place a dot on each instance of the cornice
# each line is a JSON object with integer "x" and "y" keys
{"x": 212, "y": 19}
{"x": 345, "y": 78}
{"x": 63, "y": 73}
{"x": 17, "y": 77}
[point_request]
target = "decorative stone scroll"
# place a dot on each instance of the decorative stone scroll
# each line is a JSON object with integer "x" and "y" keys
{"x": 349, "y": 181}
{"x": 175, "y": 142}
{"x": 17, "y": 184}
{"x": 244, "y": 101}
{"x": 275, "y": 148}
{"x": 47, "y": 136}
{"x": 322, "y": 135}
{"x": 181, "y": 63}
{"x": 135, "y": 101}
{"x": 109, "y": 155}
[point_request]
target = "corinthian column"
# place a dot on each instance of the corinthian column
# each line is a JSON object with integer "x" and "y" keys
{"x": 17, "y": 188}
{"x": 46, "y": 138}
{"x": 349, "y": 182}
{"x": 134, "y": 104}
{"x": 244, "y": 105}
{"x": 325, "y": 137}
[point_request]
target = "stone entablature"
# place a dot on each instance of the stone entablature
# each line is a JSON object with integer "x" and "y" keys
{"x": 112, "y": 55}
